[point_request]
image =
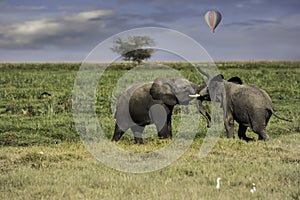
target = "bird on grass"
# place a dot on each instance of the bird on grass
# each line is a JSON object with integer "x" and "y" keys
{"x": 44, "y": 94}
{"x": 253, "y": 188}
{"x": 218, "y": 183}
{"x": 25, "y": 111}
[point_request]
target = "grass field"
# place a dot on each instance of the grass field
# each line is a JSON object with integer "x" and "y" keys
{"x": 42, "y": 156}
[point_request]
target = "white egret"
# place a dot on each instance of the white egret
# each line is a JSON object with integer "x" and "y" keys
{"x": 253, "y": 188}
{"x": 218, "y": 183}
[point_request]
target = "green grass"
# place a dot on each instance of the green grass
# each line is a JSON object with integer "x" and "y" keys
{"x": 66, "y": 170}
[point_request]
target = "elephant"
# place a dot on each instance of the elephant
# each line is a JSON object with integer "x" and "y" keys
{"x": 143, "y": 104}
{"x": 248, "y": 105}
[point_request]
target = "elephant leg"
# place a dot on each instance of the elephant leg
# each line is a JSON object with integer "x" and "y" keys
{"x": 242, "y": 133}
{"x": 229, "y": 126}
{"x": 260, "y": 129}
{"x": 166, "y": 130}
{"x": 161, "y": 116}
{"x": 262, "y": 134}
{"x": 169, "y": 124}
{"x": 137, "y": 132}
{"x": 260, "y": 123}
{"x": 118, "y": 133}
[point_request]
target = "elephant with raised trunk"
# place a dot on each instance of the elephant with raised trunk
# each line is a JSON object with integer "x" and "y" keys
{"x": 248, "y": 105}
{"x": 152, "y": 103}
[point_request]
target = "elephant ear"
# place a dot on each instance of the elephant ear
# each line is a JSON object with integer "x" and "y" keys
{"x": 161, "y": 90}
{"x": 216, "y": 89}
{"x": 236, "y": 80}
{"x": 218, "y": 78}
{"x": 214, "y": 82}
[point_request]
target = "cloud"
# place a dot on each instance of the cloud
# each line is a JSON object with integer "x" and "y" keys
{"x": 12, "y": 7}
{"x": 70, "y": 30}
{"x": 253, "y": 23}
{"x": 89, "y": 15}
{"x": 64, "y": 30}
{"x": 24, "y": 7}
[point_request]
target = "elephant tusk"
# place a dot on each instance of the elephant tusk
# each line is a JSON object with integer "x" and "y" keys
{"x": 194, "y": 95}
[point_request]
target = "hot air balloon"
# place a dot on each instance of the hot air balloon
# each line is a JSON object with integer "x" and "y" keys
{"x": 212, "y": 18}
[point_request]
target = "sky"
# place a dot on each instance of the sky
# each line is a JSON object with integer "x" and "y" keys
{"x": 68, "y": 30}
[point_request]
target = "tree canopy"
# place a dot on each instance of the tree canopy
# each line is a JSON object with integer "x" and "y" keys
{"x": 134, "y": 48}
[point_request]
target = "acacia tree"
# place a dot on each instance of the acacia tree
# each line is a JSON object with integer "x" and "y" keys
{"x": 132, "y": 49}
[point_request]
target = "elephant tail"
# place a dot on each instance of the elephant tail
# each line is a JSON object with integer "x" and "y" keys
{"x": 279, "y": 117}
